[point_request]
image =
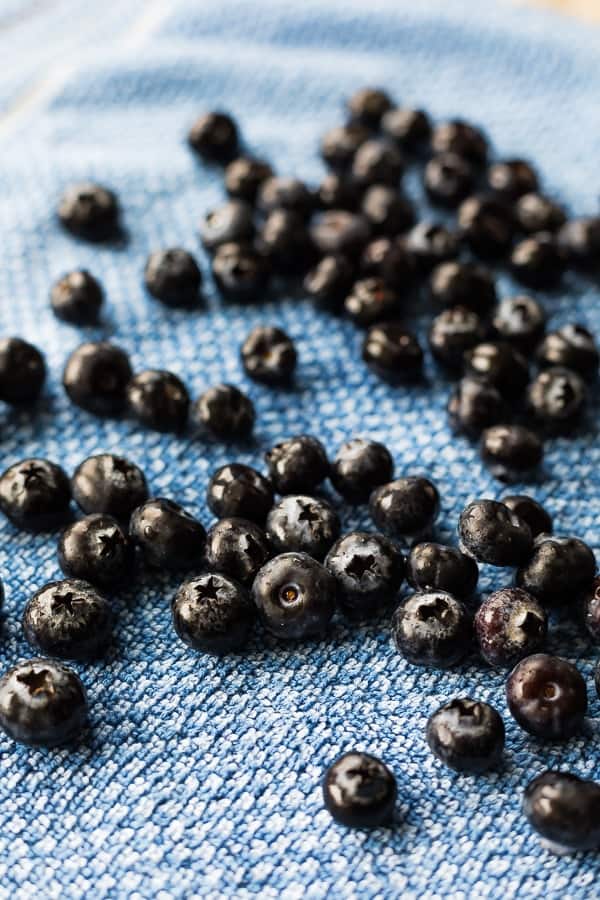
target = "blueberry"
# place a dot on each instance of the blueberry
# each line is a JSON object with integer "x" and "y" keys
{"x": 237, "y": 548}
{"x": 360, "y": 791}
{"x": 453, "y": 332}
{"x": 491, "y": 533}
{"x": 499, "y": 365}
{"x": 35, "y": 495}
{"x": 405, "y": 508}
{"x": 214, "y": 136}
{"x": 448, "y": 179}
{"x": 359, "y": 466}
{"x": 369, "y": 570}
{"x": 377, "y": 161}
{"x": 565, "y": 810}
{"x": 285, "y": 241}
{"x": 462, "y": 138}
{"x": 431, "y": 244}
{"x": 244, "y": 176}
{"x": 240, "y": 272}
{"x": 22, "y": 371}
{"x": 297, "y": 465}
{"x": 579, "y": 240}
{"x": 409, "y": 128}
{"x": 538, "y": 262}
{"x": 231, "y": 223}
{"x": 304, "y": 524}
{"x": 558, "y": 571}
{"x": 389, "y": 259}
{"x": 96, "y": 377}
{"x": 42, "y": 703}
{"x": 591, "y": 615}
{"x": 435, "y": 567}
{"x": 338, "y": 191}
{"x": 339, "y": 232}
{"x": 512, "y": 178}
{"x": 77, "y": 298}
{"x": 109, "y": 484}
{"x": 556, "y": 399}
{"x": 168, "y": 536}
{"x": 213, "y": 613}
{"x": 510, "y": 625}
{"x": 486, "y": 224}
{"x": 573, "y": 347}
{"x": 295, "y": 596}
{"x": 89, "y": 211}
{"x": 431, "y": 629}
{"x": 463, "y": 284}
{"x": 547, "y": 696}
{"x": 239, "y": 491}
{"x": 285, "y": 193}
{"x": 339, "y": 144}
{"x": 388, "y": 212}
{"x": 329, "y": 282}
{"x": 475, "y": 406}
{"x": 520, "y": 321}
{"x": 68, "y": 619}
{"x": 393, "y": 353}
{"x": 466, "y": 735}
{"x": 368, "y": 105}
{"x": 173, "y": 277}
{"x": 535, "y": 212}
{"x": 370, "y": 301}
{"x": 159, "y": 400}
{"x": 269, "y": 355}
{"x": 96, "y": 549}
{"x": 225, "y": 412}
{"x": 511, "y": 452}
{"x": 532, "y": 512}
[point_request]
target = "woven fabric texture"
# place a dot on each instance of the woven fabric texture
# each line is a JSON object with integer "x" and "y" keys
{"x": 200, "y": 777}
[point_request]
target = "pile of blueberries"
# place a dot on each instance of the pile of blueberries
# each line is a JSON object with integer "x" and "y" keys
{"x": 285, "y": 561}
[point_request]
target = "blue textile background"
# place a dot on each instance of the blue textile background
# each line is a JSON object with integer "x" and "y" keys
{"x": 201, "y": 777}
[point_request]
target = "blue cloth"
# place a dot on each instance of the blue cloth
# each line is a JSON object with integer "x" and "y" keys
{"x": 201, "y": 777}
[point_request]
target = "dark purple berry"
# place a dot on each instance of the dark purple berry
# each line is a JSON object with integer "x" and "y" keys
{"x": 339, "y": 144}
{"x": 432, "y": 629}
{"x": 96, "y": 377}
{"x": 231, "y": 223}
{"x": 68, "y": 619}
{"x": 512, "y": 178}
{"x": 462, "y": 138}
{"x": 214, "y": 136}
{"x": 285, "y": 241}
{"x": 239, "y": 491}
{"x": 535, "y": 213}
{"x": 35, "y": 495}
{"x": 359, "y": 466}
{"x": 377, "y": 161}
{"x": 285, "y": 193}
{"x": 329, "y": 282}
{"x": 491, "y": 533}
{"x": 511, "y": 452}
{"x": 475, "y": 406}
{"x": 213, "y": 614}
{"x": 499, "y": 365}
{"x": 466, "y": 735}
{"x": 360, "y": 791}
{"x": 370, "y": 301}
{"x": 368, "y": 105}
{"x": 564, "y": 810}
{"x": 269, "y": 355}
{"x": 297, "y": 465}
{"x": 435, "y": 567}
{"x": 173, "y": 277}
{"x": 237, "y": 548}
{"x": 579, "y": 240}
{"x": 393, "y": 353}
{"x": 390, "y": 260}
{"x": 448, "y": 179}
{"x": 241, "y": 273}
{"x": 303, "y": 524}
{"x": 158, "y": 400}
{"x": 109, "y": 484}
{"x": 22, "y": 372}
{"x": 77, "y": 298}
{"x": 510, "y": 625}
{"x": 409, "y": 128}
{"x": 387, "y": 211}
{"x": 339, "y": 232}
{"x": 573, "y": 347}
{"x": 405, "y": 508}
{"x": 431, "y": 244}
{"x": 559, "y": 570}
{"x": 244, "y": 176}
{"x": 225, "y": 412}
{"x": 547, "y": 697}
{"x": 520, "y": 321}
{"x": 167, "y": 535}
{"x": 463, "y": 284}
{"x": 556, "y": 399}
{"x": 369, "y": 570}
{"x": 453, "y": 332}
{"x": 89, "y": 211}
{"x": 532, "y": 512}
{"x": 96, "y": 549}
{"x": 486, "y": 223}
{"x": 537, "y": 262}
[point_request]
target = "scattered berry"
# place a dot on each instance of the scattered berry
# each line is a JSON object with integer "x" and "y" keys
{"x": 532, "y": 512}
{"x": 303, "y": 524}
{"x": 237, "y": 548}
{"x": 225, "y": 412}
{"x": 168, "y": 536}
{"x": 35, "y": 495}
{"x": 77, "y": 298}
{"x": 491, "y": 533}
{"x": 393, "y": 353}
{"x": 368, "y": 569}
{"x": 213, "y": 613}
{"x": 173, "y": 277}
{"x": 359, "y": 466}
{"x": 68, "y": 619}
{"x": 109, "y": 484}
{"x": 510, "y": 625}
{"x": 547, "y": 696}
{"x": 269, "y": 355}
{"x": 435, "y": 567}
{"x": 159, "y": 400}
{"x": 295, "y": 596}
{"x": 89, "y": 211}
{"x": 511, "y": 451}
{"x": 432, "y": 629}
{"x": 96, "y": 377}
{"x": 297, "y": 465}
{"x": 238, "y": 491}
{"x": 558, "y": 571}
{"x": 360, "y": 791}
{"x": 96, "y": 549}
{"x": 214, "y": 136}
{"x": 405, "y": 508}
{"x": 475, "y": 406}
{"x": 565, "y": 810}
{"x": 22, "y": 372}
{"x": 466, "y": 735}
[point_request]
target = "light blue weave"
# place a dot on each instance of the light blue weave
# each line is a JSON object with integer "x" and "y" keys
{"x": 201, "y": 777}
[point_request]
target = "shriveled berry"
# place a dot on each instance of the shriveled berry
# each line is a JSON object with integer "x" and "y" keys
{"x": 35, "y": 495}
{"x": 225, "y": 412}
{"x": 462, "y": 138}
{"x": 532, "y": 512}
{"x": 538, "y": 262}
{"x": 244, "y": 176}
{"x": 96, "y": 377}
{"x": 448, "y": 179}
{"x": 558, "y": 571}
{"x": 475, "y": 406}
{"x": 492, "y": 534}
{"x": 556, "y": 399}
{"x": 564, "y": 810}
{"x": 239, "y": 491}
{"x": 405, "y": 508}
{"x": 368, "y": 105}
{"x": 486, "y": 223}
{"x": 269, "y": 355}
{"x": 159, "y": 400}
{"x": 510, "y": 624}
{"x": 89, "y": 211}
{"x": 535, "y": 212}
{"x": 466, "y": 735}
{"x": 500, "y": 365}
{"x": 571, "y": 346}
{"x": 393, "y": 353}
{"x": 173, "y": 277}
{"x": 96, "y": 549}
{"x": 237, "y": 548}
{"x": 360, "y": 791}
{"x": 547, "y": 696}
{"x": 231, "y": 223}
{"x": 432, "y": 629}
{"x": 109, "y": 484}
{"x": 520, "y": 321}
{"x": 435, "y": 567}
{"x": 369, "y": 301}
{"x": 68, "y": 619}
{"x": 463, "y": 284}
{"x": 409, "y": 128}
{"x": 214, "y": 136}
{"x": 453, "y": 332}
{"x": 168, "y": 536}
{"x": 511, "y": 451}
{"x": 512, "y": 178}
{"x": 359, "y": 466}
{"x": 240, "y": 272}
{"x": 297, "y": 465}
{"x": 304, "y": 524}
{"x": 77, "y": 298}
{"x": 369, "y": 570}
{"x": 213, "y": 614}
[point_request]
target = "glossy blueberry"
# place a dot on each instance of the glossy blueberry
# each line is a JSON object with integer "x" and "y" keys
{"x": 368, "y": 105}
{"x": 285, "y": 193}
{"x": 532, "y": 512}
{"x": 370, "y": 301}
{"x": 466, "y": 735}
{"x": 168, "y": 536}
{"x": 512, "y": 178}
{"x": 97, "y": 550}
{"x": 431, "y": 244}
{"x": 520, "y": 321}
{"x": 295, "y": 596}
{"x": 77, "y": 298}
{"x": 547, "y": 696}
{"x": 225, "y": 412}
{"x": 535, "y": 212}
{"x": 159, "y": 400}
{"x": 388, "y": 211}
{"x": 474, "y": 406}
{"x": 463, "y": 284}
{"x": 173, "y": 277}
{"x": 42, "y": 703}
{"x": 240, "y": 273}
{"x": 359, "y": 466}
{"x": 369, "y": 570}
{"x": 558, "y": 571}
{"x": 329, "y": 282}
{"x": 377, "y": 161}
{"x": 499, "y": 365}
{"x": 564, "y": 810}
{"x": 35, "y": 495}
{"x": 556, "y": 399}
{"x": 237, "y": 548}
{"x": 89, "y": 211}
{"x": 68, "y": 619}
{"x": 389, "y": 259}
{"x": 491, "y": 533}
{"x": 571, "y": 346}
{"x": 462, "y": 138}
{"x": 285, "y": 241}
{"x": 579, "y": 240}
{"x": 432, "y": 629}
{"x": 214, "y": 136}
{"x": 339, "y": 232}
{"x": 360, "y": 791}
{"x": 453, "y": 332}
{"x": 304, "y": 524}
{"x": 231, "y": 223}
{"x": 297, "y": 465}
{"x": 22, "y": 371}
{"x": 538, "y": 262}
{"x": 213, "y": 614}
{"x": 238, "y": 491}
{"x": 435, "y": 567}
{"x": 509, "y": 625}
{"x": 409, "y": 128}
{"x": 591, "y": 616}
{"x": 244, "y": 176}
{"x": 405, "y": 508}
{"x": 486, "y": 224}
{"x": 109, "y": 484}
{"x": 339, "y": 144}
{"x": 338, "y": 191}
{"x": 96, "y": 377}
{"x": 393, "y": 353}
{"x": 448, "y": 179}
{"x": 269, "y": 355}
{"x": 511, "y": 451}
